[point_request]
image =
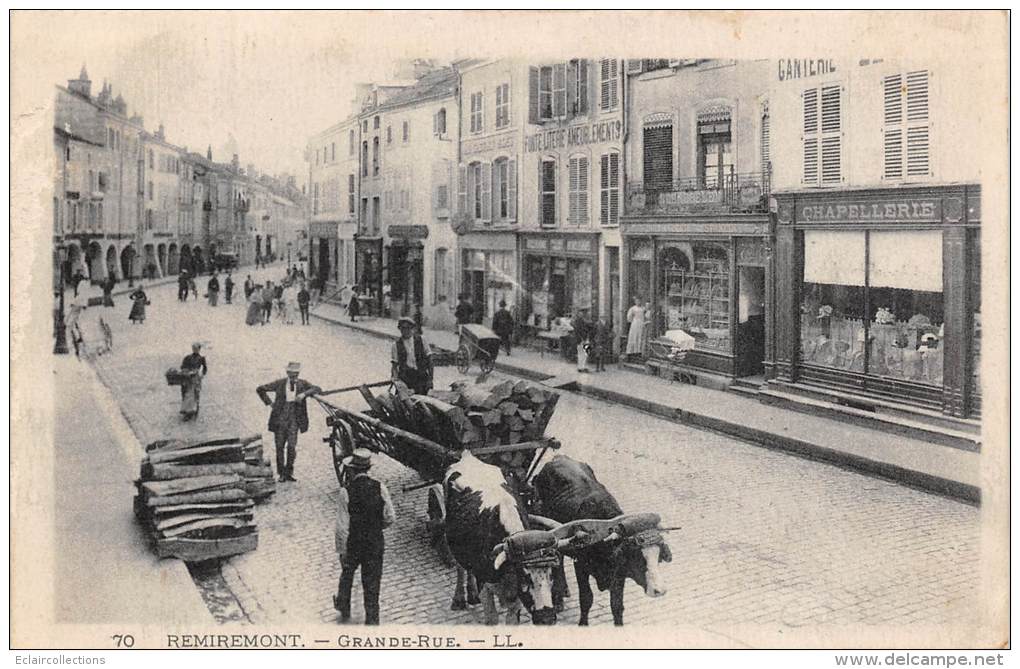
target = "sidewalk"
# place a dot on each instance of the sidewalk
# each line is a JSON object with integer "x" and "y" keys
{"x": 932, "y": 467}
{"x": 105, "y": 572}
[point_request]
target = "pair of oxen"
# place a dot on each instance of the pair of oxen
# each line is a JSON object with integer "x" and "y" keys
{"x": 507, "y": 554}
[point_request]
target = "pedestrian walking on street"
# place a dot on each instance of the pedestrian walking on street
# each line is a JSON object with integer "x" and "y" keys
{"x": 289, "y": 415}
{"x": 303, "y": 299}
{"x": 228, "y": 287}
{"x": 139, "y": 300}
{"x": 582, "y": 335}
{"x": 182, "y": 286}
{"x": 636, "y": 332}
{"x": 503, "y": 325}
{"x": 364, "y": 510}
{"x": 354, "y": 306}
{"x": 603, "y": 344}
{"x": 411, "y": 359}
{"x": 464, "y": 313}
{"x": 254, "y": 313}
{"x": 213, "y": 290}
{"x": 194, "y": 287}
{"x": 267, "y": 302}
{"x": 287, "y": 303}
{"x": 195, "y": 368}
{"x": 77, "y": 279}
{"x": 249, "y": 288}
{"x": 108, "y": 287}
{"x": 278, "y": 299}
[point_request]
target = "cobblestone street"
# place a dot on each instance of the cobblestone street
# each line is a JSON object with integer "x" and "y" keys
{"x": 767, "y": 539}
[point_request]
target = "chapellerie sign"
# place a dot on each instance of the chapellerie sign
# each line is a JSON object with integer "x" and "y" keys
{"x": 578, "y": 135}
{"x": 913, "y": 210}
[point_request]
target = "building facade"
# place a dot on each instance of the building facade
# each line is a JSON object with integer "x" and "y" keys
{"x": 696, "y": 224}
{"x": 160, "y": 205}
{"x": 878, "y": 235}
{"x": 333, "y": 181}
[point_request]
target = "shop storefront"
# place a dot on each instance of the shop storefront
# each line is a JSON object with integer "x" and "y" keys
{"x": 369, "y": 269}
{"x": 405, "y": 267}
{"x": 559, "y": 272}
{"x": 488, "y": 271}
{"x": 323, "y": 241}
{"x": 878, "y": 294}
{"x": 707, "y": 277}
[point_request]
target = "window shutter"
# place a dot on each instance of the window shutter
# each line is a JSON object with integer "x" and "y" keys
{"x": 810, "y": 136}
{"x": 918, "y": 144}
{"x": 831, "y": 135}
{"x": 533, "y": 95}
{"x": 573, "y": 211}
{"x": 571, "y": 88}
{"x": 766, "y": 149}
{"x": 604, "y": 189}
{"x": 614, "y": 188}
{"x": 810, "y": 111}
{"x": 511, "y": 178}
{"x": 893, "y": 133}
{"x": 582, "y": 102}
{"x": 811, "y": 160}
{"x": 582, "y": 190}
{"x": 462, "y": 205}
{"x": 487, "y": 192}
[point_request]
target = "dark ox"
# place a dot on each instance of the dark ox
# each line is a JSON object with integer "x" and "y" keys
{"x": 487, "y": 533}
{"x": 567, "y": 491}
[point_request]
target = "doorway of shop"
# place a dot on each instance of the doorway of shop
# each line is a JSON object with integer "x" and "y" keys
{"x": 474, "y": 288}
{"x": 750, "y": 341}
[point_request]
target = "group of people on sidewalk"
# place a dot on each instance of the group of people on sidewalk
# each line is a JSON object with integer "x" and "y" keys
{"x": 289, "y": 294}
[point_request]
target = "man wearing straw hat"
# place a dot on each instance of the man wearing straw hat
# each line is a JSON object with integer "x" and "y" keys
{"x": 289, "y": 415}
{"x": 364, "y": 510}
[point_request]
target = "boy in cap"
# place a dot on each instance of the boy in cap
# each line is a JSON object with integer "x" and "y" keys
{"x": 289, "y": 415}
{"x": 411, "y": 359}
{"x": 364, "y": 510}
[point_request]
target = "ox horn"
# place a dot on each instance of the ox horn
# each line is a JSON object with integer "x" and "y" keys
{"x": 500, "y": 556}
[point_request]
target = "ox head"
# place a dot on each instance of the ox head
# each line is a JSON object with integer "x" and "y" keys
{"x": 529, "y": 558}
{"x": 639, "y": 547}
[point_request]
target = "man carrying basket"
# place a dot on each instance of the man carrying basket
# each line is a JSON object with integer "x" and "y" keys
{"x": 411, "y": 359}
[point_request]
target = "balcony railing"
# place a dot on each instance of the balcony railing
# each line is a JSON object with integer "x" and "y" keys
{"x": 733, "y": 192}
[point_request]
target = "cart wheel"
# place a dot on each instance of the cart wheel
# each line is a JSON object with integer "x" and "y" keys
{"x": 463, "y": 358}
{"x": 341, "y": 442}
{"x": 436, "y": 524}
{"x": 488, "y": 363}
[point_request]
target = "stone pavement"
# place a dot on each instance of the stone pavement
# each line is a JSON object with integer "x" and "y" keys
{"x": 767, "y": 541}
{"x": 94, "y": 523}
{"x": 929, "y": 466}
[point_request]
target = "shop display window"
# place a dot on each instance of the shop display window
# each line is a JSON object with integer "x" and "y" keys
{"x": 872, "y": 303}
{"x": 695, "y": 293}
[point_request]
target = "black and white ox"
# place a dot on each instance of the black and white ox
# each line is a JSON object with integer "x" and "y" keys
{"x": 568, "y": 491}
{"x": 487, "y": 533}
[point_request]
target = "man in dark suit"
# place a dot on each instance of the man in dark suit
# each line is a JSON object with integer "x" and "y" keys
{"x": 364, "y": 510}
{"x": 289, "y": 415}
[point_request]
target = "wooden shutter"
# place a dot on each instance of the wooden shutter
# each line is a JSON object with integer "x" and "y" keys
{"x": 604, "y": 189}
{"x": 487, "y": 192}
{"x": 614, "y": 188}
{"x": 657, "y": 145}
{"x": 810, "y": 136}
{"x": 462, "y": 206}
{"x": 533, "y": 95}
{"x": 918, "y": 140}
{"x": 766, "y": 140}
{"x": 609, "y": 76}
{"x": 573, "y": 207}
{"x": 581, "y": 104}
{"x": 893, "y": 132}
{"x": 832, "y": 138}
{"x": 582, "y": 190}
{"x": 571, "y": 92}
{"x": 511, "y": 189}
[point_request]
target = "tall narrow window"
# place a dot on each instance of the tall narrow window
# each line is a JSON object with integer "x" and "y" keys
{"x": 657, "y": 150}
{"x": 364, "y": 158}
{"x": 906, "y": 129}
{"x": 389, "y": 134}
{"x": 559, "y": 90}
{"x": 350, "y": 193}
{"x": 547, "y": 183}
{"x": 332, "y": 151}
{"x": 766, "y": 157}
{"x": 822, "y": 139}
{"x": 545, "y": 87}
{"x": 578, "y": 212}
{"x": 715, "y": 159}
{"x": 375, "y": 156}
{"x": 476, "y": 112}
{"x": 475, "y": 184}
{"x": 501, "y": 189}
{"x": 439, "y": 122}
{"x": 406, "y": 129}
{"x": 578, "y": 83}
{"x": 502, "y": 105}
{"x": 351, "y": 143}
{"x": 609, "y": 191}
{"x": 439, "y": 276}
{"x": 609, "y": 75}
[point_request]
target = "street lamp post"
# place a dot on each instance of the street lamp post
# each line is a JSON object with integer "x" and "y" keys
{"x": 288, "y": 254}
{"x": 60, "y": 346}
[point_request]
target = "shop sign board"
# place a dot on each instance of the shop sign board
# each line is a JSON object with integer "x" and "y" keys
{"x": 408, "y": 231}
{"x": 852, "y": 210}
{"x": 506, "y": 141}
{"x": 577, "y": 135}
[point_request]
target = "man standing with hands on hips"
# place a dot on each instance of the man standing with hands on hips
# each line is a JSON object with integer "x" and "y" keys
{"x": 289, "y": 415}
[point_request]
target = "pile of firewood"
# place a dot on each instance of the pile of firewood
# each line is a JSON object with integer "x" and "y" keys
{"x": 470, "y": 415}
{"x": 197, "y": 500}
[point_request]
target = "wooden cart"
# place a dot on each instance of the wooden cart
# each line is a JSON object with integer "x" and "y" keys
{"x": 350, "y": 429}
{"x": 477, "y": 342}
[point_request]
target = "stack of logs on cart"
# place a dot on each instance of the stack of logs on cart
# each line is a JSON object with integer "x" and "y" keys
{"x": 196, "y": 500}
{"x": 471, "y": 415}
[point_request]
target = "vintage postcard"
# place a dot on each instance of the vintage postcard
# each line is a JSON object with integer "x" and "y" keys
{"x": 489, "y": 330}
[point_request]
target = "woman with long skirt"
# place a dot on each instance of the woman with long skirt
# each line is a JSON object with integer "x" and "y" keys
{"x": 636, "y": 334}
{"x": 254, "y": 315}
{"x": 139, "y": 300}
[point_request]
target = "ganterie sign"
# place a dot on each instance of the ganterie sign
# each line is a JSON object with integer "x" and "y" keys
{"x": 799, "y": 68}
{"x": 578, "y": 135}
{"x": 408, "y": 231}
{"x": 913, "y": 210}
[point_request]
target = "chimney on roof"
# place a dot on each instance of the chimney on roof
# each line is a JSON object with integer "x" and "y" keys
{"x": 161, "y": 133}
{"x": 208, "y": 153}
{"x": 235, "y": 164}
{"x": 82, "y": 85}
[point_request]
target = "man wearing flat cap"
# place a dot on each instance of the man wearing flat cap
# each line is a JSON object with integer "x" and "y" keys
{"x": 364, "y": 510}
{"x": 411, "y": 359}
{"x": 289, "y": 415}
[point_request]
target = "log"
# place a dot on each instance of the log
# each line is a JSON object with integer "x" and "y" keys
{"x": 192, "y": 484}
{"x": 521, "y": 387}
{"x": 477, "y": 397}
{"x": 542, "y": 421}
{"x": 209, "y": 508}
{"x": 170, "y": 472}
{"x": 448, "y": 396}
{"x": 492, "y": 417}
{"x": 199, "y": 455}
{"x": 503, "y": 390}
{"x": 526, "y": 415}
{"x": 205, "y": 524}
{"x": 177, "y": 521}
{"x": 508, "y": 408}
{"x": 225, "y": 495}
{"x": 536, "y": 394}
